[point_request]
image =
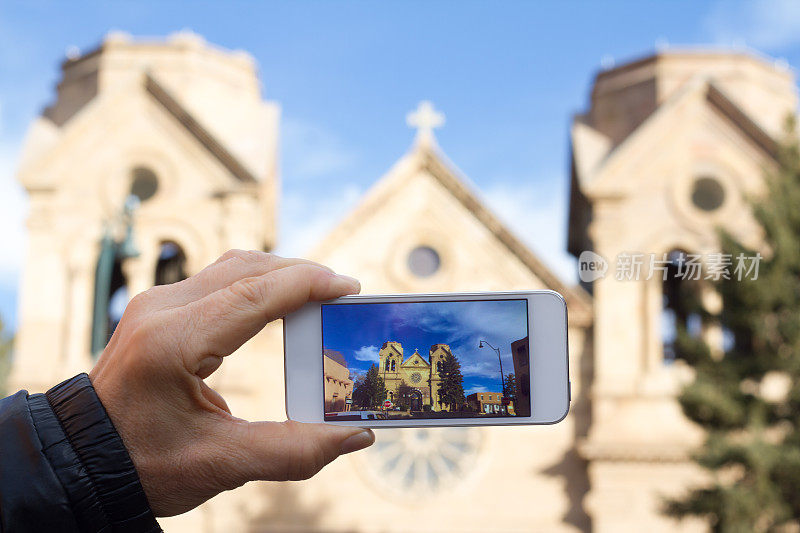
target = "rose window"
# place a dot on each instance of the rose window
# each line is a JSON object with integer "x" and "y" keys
{"x": 413, "y": 462}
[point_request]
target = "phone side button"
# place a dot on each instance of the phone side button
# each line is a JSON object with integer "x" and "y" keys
{"x": 569, "y": 391}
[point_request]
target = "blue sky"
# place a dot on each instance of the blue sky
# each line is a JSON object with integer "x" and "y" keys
{"x": 358, "y": 331}
{"x": 508, "y": 77}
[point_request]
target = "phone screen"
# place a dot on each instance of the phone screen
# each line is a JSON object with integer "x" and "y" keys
{"x": 423, "y": 360}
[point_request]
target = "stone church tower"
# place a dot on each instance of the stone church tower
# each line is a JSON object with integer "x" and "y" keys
{"x": 417, "y": 372}
{"x": 669, "y": 150}
{"x": 176, "y": 124}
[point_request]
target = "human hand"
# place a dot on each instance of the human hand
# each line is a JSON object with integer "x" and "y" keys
{"x": 184, "y": 442}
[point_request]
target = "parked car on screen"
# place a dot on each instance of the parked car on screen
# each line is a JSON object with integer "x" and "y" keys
{"x": 356, "y": 415}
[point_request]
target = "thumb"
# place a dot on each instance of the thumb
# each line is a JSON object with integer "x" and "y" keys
{"x": 283, "y": 451}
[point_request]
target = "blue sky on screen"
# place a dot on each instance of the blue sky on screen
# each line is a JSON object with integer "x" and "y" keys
{"x": 508, "y": 76}
{"x": 357, "y": 331}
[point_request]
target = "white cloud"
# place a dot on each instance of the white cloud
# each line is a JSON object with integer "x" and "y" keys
{"x": 367, "y": 353}
{"x": 311, "y": 151}
{"x": 477, "y": 388}
{"x": 537, "y": 215}
{"x": 317, "y": 191}
{"x": 463, "y": 326}
{"x": 306, "y": 217}
{"x": 771, "y": 25}
{"x": 480, "y": 369}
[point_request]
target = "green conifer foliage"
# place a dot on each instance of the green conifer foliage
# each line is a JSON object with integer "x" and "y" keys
{"x": 748, "y": 399}
{"x": 451, "y": 386}
{"x": 369, "y": 390}
{"x": 511, "y": 387}
{"x": 403, "y": 400}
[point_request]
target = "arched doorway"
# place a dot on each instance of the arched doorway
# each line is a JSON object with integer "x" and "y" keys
{"x": 680, "y": 316}
{"x": 171, "y": 265}
{"x": 110, "y": 294}
{"x": 416, "y": 400}
{"x": 118, "y": 299}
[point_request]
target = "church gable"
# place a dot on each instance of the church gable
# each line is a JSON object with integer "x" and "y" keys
{"x": 391, "y": 349}
{"x": 123, "y": 127}
{"x": 652, "y": 176}
{"x": 201, "y": 134}
{"x": 415, "y": 361}
{"x": 657, "y": 183}
{"x": 673, "y": 123}
{"x": 420, "y": 229}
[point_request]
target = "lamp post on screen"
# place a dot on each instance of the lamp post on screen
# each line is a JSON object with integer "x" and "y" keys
{"x": 502, "y": 380}
{"x": 385, "y": 365}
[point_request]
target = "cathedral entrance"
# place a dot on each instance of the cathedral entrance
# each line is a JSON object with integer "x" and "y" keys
{"x": 416, "y": 400}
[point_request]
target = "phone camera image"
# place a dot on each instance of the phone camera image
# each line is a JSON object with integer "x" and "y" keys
{"x": 426, "y": 360}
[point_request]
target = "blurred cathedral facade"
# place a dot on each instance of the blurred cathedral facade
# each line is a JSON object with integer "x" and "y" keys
{"x": 181, "y": 126}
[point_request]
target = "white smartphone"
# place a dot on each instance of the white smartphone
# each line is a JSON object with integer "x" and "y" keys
{"x": 422, "y": 360}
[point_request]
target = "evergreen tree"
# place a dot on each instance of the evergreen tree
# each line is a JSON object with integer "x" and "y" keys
{"x": 511, "y": 387}
{"x": 369, "y": 390}
{"x": 748, "y": 399}
{"x": 6, "y": 345}
{"x": 451, "y": 386}
{"x": 404, "y": 391}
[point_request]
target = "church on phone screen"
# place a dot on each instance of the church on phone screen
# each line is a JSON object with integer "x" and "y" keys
{"x": 666, "y": 151}
{"x": 415, "y": 373}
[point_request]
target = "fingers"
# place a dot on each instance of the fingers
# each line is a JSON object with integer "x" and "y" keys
{"x": 283, "y": 451}
{"x": 224, "y": 320}
{"x": 231, "y": 266}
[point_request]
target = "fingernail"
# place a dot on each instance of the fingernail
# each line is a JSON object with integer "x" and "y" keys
{"x": 352, "y": 281}
{"x": 359, "y": 441}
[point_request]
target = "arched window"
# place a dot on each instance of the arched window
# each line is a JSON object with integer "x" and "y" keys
{"x": 393, "y": 367}
{"x": 118, "y": 297}
{"x": 438, "y": 366}
{"x": 171, "y": 266}
{"x": 680, "y": 303}
{"x": 388, "y": 365}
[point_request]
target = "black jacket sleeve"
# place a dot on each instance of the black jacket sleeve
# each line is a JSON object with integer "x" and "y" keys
{"x": 64, "y": 468}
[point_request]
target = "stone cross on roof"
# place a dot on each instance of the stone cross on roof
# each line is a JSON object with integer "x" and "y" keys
{"x": 425, "y": 118}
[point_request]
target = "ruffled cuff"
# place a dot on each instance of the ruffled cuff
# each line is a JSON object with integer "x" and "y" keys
{"x": 90, "y": 459}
